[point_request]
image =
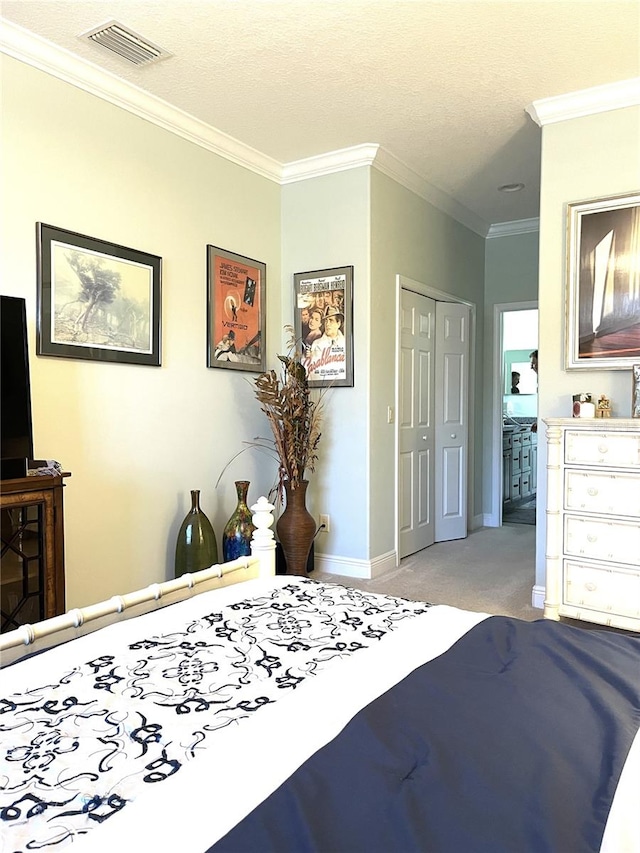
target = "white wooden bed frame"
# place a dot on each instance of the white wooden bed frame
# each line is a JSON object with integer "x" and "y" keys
{"x": 28, "y": 639}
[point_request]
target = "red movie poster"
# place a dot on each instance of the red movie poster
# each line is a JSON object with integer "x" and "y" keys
{"x": 237, "y": 326}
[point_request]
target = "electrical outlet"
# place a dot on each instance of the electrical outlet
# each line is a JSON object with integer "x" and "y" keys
{"x": 325, "y": 523}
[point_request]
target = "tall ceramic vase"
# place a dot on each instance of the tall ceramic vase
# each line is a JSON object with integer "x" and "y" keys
{"x": 196, "y": 546}
{"x": 296, "y": 529}
{"x": 236, "y": 537}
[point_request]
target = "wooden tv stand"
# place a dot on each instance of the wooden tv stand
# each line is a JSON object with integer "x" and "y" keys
{"x": 32, "y": 557}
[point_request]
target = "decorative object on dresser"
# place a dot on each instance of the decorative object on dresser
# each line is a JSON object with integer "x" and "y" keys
{"x": 295, "y": 418}
{"x": 583, "y": 406}
{"x": 32, "y": 564}
{"x": 593, "y": 521}
{"x": 603, "y": 409}
{"x": 196, "y": 545}
{"x": 236, "y": 537}
{"x": 97, "y": 300}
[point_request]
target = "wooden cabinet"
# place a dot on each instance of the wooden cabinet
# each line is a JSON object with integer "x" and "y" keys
{"x": 32, "y": 563}
{"x": 593, "y": 521}
{"x": 519, "y": 459}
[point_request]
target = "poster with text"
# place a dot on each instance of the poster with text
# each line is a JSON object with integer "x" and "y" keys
{"x": 323, "y": 324}
{"x": 236, "y": 317}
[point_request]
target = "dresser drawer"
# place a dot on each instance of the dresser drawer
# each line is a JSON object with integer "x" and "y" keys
{"x": 598, "y": 539}
{"x": 602, "y": 448}
{"x": 602, "y": 492}
{"x": 611, "y": 589}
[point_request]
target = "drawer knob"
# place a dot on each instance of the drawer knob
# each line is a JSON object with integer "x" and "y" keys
{"x": 592, "y": 491}
{"x": 602, "y": 448}
{"x": 591, "y": 537}
{"x": 591, "y": 587}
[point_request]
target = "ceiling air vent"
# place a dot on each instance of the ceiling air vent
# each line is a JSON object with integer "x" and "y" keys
{"x": 125, "y": 43}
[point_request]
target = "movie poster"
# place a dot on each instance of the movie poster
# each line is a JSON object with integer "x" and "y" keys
{"x": 236, "y": 314}
{"x": 323, "y": 325}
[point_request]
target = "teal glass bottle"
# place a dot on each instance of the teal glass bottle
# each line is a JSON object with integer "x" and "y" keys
{"x": 236, "y": 538}
{"x": 196, "y": 546}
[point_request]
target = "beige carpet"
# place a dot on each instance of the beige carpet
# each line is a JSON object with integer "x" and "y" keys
{"x": 492, "y": 570}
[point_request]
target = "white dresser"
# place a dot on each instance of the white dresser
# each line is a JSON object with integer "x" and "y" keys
{"x": 593, "y": 520}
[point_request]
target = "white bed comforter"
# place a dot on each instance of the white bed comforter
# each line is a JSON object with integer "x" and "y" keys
{"x": 199, "y": 711}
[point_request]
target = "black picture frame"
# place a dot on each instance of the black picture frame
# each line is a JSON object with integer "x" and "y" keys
{"x": 236, "y": 311}
{"x": 328, "y": 292}
{"x": 96, "y": 300}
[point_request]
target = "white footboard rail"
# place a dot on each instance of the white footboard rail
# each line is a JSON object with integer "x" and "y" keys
{"x": 28, "y": 639}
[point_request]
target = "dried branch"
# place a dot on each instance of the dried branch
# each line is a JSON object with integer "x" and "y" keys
{"x": 294, "y": 415}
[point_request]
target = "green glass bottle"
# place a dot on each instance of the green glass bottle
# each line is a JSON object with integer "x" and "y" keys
{"x": 196, "y": 547}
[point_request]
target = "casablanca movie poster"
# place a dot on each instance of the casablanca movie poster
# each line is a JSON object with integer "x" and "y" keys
{"x": 236, "y": 312}
{"x": 323, "y": 319}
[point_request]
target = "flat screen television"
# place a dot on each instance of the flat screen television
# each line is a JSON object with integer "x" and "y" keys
{"x": 16, "y": 432}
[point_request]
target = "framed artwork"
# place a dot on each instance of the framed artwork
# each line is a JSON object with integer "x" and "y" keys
{"x": 96, "y": 300}
{"x": 603, "y": 284}
{"x": 635, "y": 391}
{"x": 236, "y": 331}
{"x": 323, "y": 322}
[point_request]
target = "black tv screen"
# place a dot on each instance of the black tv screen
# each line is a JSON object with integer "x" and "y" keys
{"x": 15, "y": 428}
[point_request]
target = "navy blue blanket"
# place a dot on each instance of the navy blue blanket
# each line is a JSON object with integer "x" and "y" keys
{"x": 513, "y": 740}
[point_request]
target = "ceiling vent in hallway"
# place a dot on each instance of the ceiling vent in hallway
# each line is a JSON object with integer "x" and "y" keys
{"x": 125, "y": 43}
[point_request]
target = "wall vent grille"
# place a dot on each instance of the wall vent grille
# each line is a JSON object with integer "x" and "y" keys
{"x": 125, "y": 43}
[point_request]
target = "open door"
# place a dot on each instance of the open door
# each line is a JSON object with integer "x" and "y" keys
{"x": 432, "y": 421}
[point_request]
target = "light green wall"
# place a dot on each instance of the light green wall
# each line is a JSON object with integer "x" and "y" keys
{"x": 325, "y": 224}
{"x": 136, "y": 439}
{"x": 585, "y": 158}
{"x": 511, "y": 269}
{"x": 410, "y": 237}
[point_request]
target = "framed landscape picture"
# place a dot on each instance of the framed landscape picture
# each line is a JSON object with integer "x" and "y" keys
{"x": 96, "y": 300}
{"x": 603, "y": 283}
{"x": 236, "y": 331}
{"x": 323, "y": 322}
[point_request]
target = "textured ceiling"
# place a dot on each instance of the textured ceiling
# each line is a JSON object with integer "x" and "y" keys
{"x": 443, "y": 86}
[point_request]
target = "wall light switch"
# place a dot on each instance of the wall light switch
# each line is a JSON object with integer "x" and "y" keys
{"x": 390, "y": 414}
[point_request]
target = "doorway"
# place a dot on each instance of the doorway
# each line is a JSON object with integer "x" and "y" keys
{"x": 432, "y": 427}
{"x": 515, "y": 410}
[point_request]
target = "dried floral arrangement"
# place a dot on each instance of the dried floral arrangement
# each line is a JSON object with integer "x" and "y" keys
{"x": 294, "y": 415}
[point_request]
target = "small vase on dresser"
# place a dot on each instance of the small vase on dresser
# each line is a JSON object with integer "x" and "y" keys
{"x": 593, "y": 521}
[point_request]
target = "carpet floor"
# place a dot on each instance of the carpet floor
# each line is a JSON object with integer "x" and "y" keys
{"x": 491, "y": 571}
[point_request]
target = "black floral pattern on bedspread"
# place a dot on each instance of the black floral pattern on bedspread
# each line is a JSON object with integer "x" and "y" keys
{"x": 73, "y": 755}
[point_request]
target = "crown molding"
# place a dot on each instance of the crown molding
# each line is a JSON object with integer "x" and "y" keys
{"x": 586, "y": 102}
{"x": 33, "y": 50}
{"x": 517, "y": 226}
{"x": 390, "y": 165}
{"x": 39, "y": 53}
{"x": 330, "y": 162}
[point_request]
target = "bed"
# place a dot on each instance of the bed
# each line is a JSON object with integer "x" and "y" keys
{"x": 285, "y": 714}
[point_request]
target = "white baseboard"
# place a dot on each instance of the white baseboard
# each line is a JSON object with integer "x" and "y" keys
{"x": 537, "y": 596}
{"x": 486, "y": 520}
{"x": 352, "y": 568}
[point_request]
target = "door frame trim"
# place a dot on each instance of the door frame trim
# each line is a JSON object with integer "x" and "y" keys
{"x": 405, "y": 283}
{"x": 499, "y": 310}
